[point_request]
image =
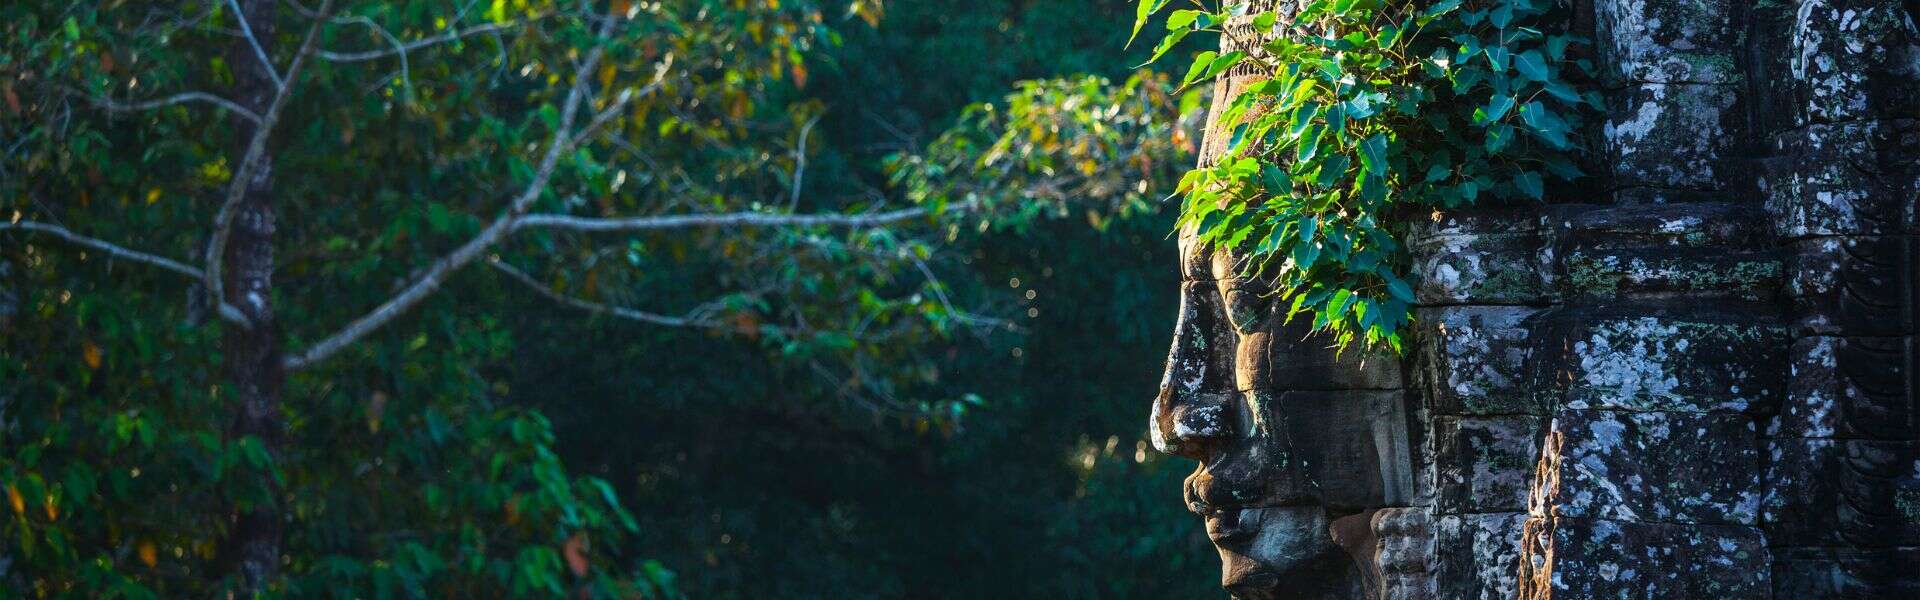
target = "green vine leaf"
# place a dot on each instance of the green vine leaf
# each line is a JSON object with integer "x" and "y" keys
{"x": 1372, "y": 107}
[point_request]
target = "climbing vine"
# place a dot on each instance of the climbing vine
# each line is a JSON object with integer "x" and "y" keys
{"x": 1366, "y": 110}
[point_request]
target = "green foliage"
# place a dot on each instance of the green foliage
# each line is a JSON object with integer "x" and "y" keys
{"x": 1369, "y": 111}
{"x": 1055, "y": 145}
{"x": 420, "y": 461}
{"x": 407, "y": 469}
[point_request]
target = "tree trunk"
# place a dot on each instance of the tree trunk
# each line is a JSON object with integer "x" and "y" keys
{"x": 253, "y": 353}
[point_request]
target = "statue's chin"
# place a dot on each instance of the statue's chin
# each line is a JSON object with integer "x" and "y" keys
{"x": 1275, "y": 552}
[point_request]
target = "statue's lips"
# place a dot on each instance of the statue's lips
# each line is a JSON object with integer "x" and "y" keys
{"x": 1252, "y": 584}
{"x": 1233, "y": 532}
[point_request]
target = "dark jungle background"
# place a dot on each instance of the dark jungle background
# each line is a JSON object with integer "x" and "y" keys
{"x": 441, "y": 454}
{"x": 751, "y": 483}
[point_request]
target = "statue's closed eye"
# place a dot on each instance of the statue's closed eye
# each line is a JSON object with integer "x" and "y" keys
{"x": 1248, "y": 310}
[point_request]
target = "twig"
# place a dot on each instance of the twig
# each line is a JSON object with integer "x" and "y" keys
{"x": 258, "y": 52}
{"x": 113, "y": 106}
{"x": 406, "y": 74}
{"x": 691, "y": 320}
{"x": 736, "y": 219}
{"x": 403, "y": 48}
{"x": 227, "y": 311}
{"x": 800, "y": 163}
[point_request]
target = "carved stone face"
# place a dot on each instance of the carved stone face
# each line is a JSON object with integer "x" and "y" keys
{"x": 1290, "y": 438}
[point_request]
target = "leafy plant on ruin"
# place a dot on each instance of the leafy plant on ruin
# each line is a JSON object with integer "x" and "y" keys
{"x": 1370, "y": 109}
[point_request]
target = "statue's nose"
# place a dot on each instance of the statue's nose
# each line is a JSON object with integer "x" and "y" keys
{"x": 1185, "y": 424}
{"x": 1193, "y": 408}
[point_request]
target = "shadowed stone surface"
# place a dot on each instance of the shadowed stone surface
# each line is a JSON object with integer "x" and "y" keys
{"x": 1481, "y": 556}
{"x": 1599, "y": 558}
{"x": 1649, "y": 467}
{"x": 1694, "y": 376}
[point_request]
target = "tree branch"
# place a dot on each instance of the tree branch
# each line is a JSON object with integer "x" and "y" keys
{"x": 256, "y": 148}
{"x": 431, "y": 280}
{"x": 228, "y": 312}
{"x": 258, "y": 52}
{"x": 735, "y": 219}
{"x": 403, "y": 48}
{"x": 406, "y": 73}
{"x": 113, "y": 106}
{"x": 800, "y": 163}
{"x": 604, "y": 309}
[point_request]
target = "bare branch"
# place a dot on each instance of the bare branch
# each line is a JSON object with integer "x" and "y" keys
{"x": 258, "y": 52}
{"x": 605, "y": 309}
{"x": 436, "y": 275}
{"x": 406, "y": 73}
{"x": 227, "y": 311}
{"x": 800, "y": 163}
{"x": 114, "y": 106}
{"x": 939, "y": 289}
{"x": 256, "y": 148}
{"x": 736, "y": 219}
{"x": 403, "y": 48}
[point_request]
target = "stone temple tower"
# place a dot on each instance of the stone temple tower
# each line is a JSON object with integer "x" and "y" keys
{"x": 1695, "y": 377}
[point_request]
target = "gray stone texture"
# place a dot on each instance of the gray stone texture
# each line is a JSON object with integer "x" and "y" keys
{"x": 1471, "y": 360}
{"x": 1484, "y": 464}
{"x": 1565, "y": 557}
{"x": 1478, "y": 556}
{"x": 1671, "y": 467}
{"x": 1694, "y": 376}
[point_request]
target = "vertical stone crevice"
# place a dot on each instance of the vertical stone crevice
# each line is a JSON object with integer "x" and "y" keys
{"x": 1842, "y": 503}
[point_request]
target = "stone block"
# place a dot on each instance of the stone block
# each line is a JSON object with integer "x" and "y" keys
{"x": 1702, "y": 251}
{"x": 1855, "y": 574}
{"x": 1405, "y": 556}
{"x": 1484, "y": 464}
{"x": 1299, "y": 360}
{"x": 1660, "y": 466}
{"x": 1855, "y": 286}
{"x": 1650, "y": 358}
{"x": 1352, "y": 447}
{"x": 1856, "y": 493}
{"x": 1478, "y": 257}
{"x": 1854, "y": 60}
{"x": 1598, "y": 558}
{"x": 1854, "y": 178}
{"x": 1477, "y": 557}
{"x": 1689, "y": 225}
{"x": 1672, "y": 135}
{"x": 1851, "y": 388}
{"x": 1690, "y": 273}
{"x": 1668, "y": 42}
{"x": 1471, "y": 360}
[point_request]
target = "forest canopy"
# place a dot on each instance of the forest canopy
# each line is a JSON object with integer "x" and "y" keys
{"x": 706, "y": 297}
